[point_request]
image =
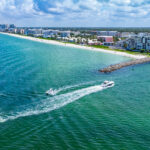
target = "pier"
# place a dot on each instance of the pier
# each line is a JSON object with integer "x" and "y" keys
{"x": 112, "y": 68}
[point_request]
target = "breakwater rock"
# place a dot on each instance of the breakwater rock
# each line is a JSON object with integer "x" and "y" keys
{"x": 112, "y": 68}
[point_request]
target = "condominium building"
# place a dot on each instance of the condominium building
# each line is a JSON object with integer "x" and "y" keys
{"x": 34, "y": 32}
{"x": 6, "y": 27}
{"x": 137, "y": 43}
{"x": 49, "y": 33}
{"x": 108, "y": 33}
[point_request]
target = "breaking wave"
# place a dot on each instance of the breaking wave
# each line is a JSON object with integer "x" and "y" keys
{"x": 53, "y": 103}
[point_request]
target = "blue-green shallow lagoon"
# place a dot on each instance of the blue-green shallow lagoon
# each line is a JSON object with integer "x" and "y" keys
{"x": 76, "y": 117}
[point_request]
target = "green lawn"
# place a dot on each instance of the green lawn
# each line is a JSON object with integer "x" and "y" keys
{"x": 119, "y": 50}
{"x": 99, "y": 46}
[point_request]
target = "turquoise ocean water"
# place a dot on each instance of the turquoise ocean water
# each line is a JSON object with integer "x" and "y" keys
{"x": 81, "y": 114}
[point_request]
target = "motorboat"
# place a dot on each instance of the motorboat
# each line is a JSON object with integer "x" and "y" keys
{"x": 108, "y": 83}
{"x": 50, "y": 92}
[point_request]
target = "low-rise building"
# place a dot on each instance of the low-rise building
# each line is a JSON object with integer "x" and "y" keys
{"x": 75, "y": 33}
{"x": 73, "y": 39}
{"x": 94, "y": 42}
{"x": 106, "y": 40}
{"x": 12, "y": 30}
{"x": 65, "y": 33}
{"x": 128, "y": 34}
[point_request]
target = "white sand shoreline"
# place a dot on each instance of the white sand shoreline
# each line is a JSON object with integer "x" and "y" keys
{"x": 76, "y": 46}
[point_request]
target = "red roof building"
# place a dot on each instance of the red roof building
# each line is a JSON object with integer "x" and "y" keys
{"x": 106, "y": 40}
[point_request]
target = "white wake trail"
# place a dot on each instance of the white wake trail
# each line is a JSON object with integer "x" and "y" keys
{"x": 57, "y": 91}
{"x": 55, "y": 102}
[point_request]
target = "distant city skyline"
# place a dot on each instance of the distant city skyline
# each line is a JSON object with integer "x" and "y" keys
{"x": 76, "y": 13}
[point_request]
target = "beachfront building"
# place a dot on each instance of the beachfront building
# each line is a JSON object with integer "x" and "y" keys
{"x": 65, "y": 33}
{"x": 128, "y": 34}
{"x": 21, "y": 31}
{"x": 12, "y": 30}
{"x": 34, "y": 32}
{"x": 83, "y": 41}
{"x": 86, "y": 35}
{"x": 73, "y": 40}
{"x": 94, "y": 42}
{"x": 106, "y": 40}
{"x": 137, "y": 43}
{"x": 75, "y": 33}
{"x": 50, "y": 33}
{"x": 16, "y": 30}
{"x": 108, "y": 33}
{"x": 12, "y": 26}
{"x": 143, "y": 34}
{"x": 6, "y": 27}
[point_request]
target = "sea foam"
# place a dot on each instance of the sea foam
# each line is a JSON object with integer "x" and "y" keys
{"x": 69, "y": 87}
{"x": 55, "y": 102}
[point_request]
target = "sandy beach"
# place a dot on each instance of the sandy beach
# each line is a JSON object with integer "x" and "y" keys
{"x": 76, "y": 46}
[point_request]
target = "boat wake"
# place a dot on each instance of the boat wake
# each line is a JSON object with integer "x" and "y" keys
{"x": 54, "y": 92}
{"x": 53, "y": 103}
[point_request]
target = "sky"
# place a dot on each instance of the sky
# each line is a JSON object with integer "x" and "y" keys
{"x": 76, "y": 13}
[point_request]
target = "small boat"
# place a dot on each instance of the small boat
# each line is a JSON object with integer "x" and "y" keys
{"x": 108, "y": 83}
{"x": 50, "y": 92}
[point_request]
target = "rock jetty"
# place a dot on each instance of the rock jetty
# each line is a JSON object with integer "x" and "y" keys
{"x": 112, "y": 68}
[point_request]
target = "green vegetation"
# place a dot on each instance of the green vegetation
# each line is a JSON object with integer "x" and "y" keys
{"x": 142, "y": 50}
{"x": 116, "y": 39}
{"x": 120, "y": 50}
{"x": 133, "y": 52}
{"x": 123, "y": 38}
{"x": 69, "y": 43}
{"x": 46, "y": 38}
{"x": 125, "y": 45}
{"x": 99, "y": 46}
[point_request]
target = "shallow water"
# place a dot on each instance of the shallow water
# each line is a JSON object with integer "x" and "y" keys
{"x": 81, "y": 115}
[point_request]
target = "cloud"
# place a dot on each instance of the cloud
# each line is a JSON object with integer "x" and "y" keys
{"x": 76, "y": 12}
{"x": 17, "y": 8}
